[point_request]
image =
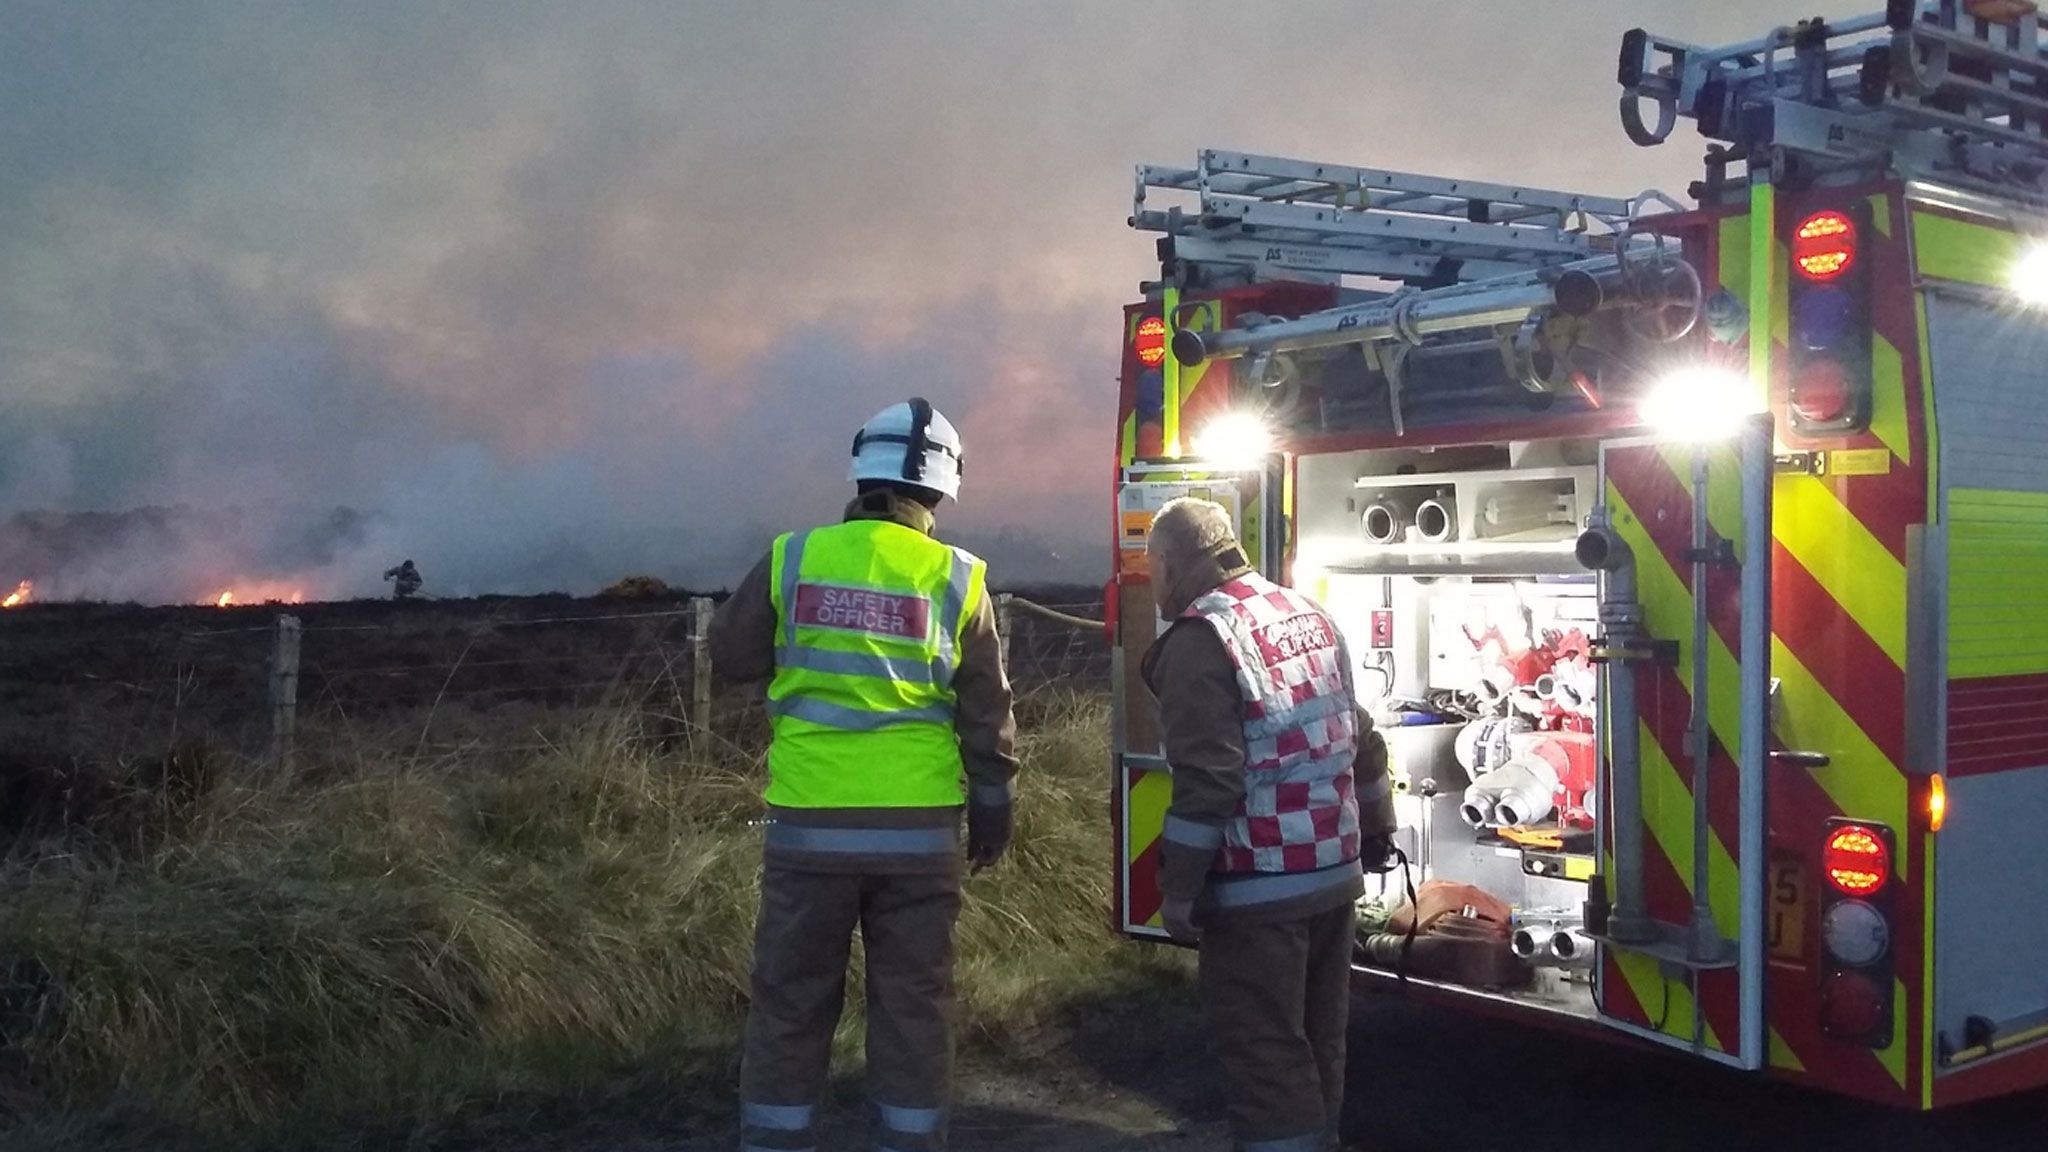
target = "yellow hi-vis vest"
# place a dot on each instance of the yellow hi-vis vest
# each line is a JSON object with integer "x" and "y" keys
{"x": 869, "y": 615}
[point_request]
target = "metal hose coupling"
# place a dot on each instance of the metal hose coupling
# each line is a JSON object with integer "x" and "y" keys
{"x": 1601, "y": 550}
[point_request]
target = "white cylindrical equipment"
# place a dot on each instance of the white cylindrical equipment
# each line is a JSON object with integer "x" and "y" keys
{"x": 1483, "y": 745}
{"x": 1531, "y": 942}
{"x": 1526, "y": 702}
{"x": 1387, "y": 520}
{"x": 1524, "y": 792}
{"x": 1477, "y": 805}
{"x": 1518, "y": 511}
{"x": 1577, "y": 290}
{"x": 1495, "y": 685}
{"x": 1436, "y": 520}
{"x": 1576, "y": 686}
{"x": 1570, "y": 947}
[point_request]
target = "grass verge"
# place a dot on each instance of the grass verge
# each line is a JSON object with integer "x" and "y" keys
{"x": 399, "y": 946}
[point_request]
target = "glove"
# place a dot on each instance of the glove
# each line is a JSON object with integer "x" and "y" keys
{"x": 1376, "y": 853}
{"x": 1179, "y": 918}
{"x": 988, "y": 834}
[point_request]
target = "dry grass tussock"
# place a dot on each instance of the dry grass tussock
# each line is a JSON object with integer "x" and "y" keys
{"x": 395, "y": 941}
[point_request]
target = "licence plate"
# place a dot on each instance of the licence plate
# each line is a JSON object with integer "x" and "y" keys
{"x": 1790, "y": 898}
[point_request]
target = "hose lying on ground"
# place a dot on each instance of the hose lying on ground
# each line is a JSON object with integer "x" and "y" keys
{"x": 1052, "y": 614}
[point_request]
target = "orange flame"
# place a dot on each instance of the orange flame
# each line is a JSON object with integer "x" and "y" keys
{"x": 19, "y": 596}
{"x": 257, "y": 593}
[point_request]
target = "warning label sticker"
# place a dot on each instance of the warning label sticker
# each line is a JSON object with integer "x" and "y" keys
{"x": 1860, "y": 462}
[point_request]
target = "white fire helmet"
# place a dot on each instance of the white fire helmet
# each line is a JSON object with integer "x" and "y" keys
{"x": 909, "y": 443}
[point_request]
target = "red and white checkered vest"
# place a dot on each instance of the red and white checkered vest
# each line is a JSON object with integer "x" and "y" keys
{"x": 1300, "y": 809}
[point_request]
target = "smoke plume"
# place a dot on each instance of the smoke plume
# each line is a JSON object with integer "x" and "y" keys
{"x": 540, "y": 294}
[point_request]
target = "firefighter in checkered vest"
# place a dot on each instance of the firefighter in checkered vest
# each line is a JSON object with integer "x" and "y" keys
{"x": 1281, "y": 802}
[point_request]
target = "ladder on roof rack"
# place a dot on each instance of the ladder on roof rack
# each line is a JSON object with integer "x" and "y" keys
{"x": 1270, "y": 217}
{"x": 1953, "y": 90}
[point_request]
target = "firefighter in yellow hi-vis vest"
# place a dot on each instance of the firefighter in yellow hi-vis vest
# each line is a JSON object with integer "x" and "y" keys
{"x": 890, "y": 710}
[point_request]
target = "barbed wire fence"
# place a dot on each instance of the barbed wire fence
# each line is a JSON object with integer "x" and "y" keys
{"x": 1049, "y": 646}
{"x": 433, "y": 680}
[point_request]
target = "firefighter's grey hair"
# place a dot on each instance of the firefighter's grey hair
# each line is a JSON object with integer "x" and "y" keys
{"x": 1188, "y": 529}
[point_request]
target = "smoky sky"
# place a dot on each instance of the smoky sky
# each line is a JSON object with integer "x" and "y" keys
{"x": 549, "y": 293}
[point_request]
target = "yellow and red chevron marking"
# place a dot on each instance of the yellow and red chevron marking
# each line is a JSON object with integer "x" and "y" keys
{"x": 1840, "y": 589}
{"x": 1651, "y": 500}
{"x": 1838, "y": 567}
{"x": 1146, "y": 796}
{"x": 1652, "y": 510}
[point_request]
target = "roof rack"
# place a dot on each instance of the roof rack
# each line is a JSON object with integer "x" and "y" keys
{"x": 1948, "y": 90}
{"x": 1274, "y": 218}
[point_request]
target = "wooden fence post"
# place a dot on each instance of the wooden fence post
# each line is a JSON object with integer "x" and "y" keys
{"x": 284, "y": 691}
{"x": 700, "y": 663}
{"x": 1004, "y": 624}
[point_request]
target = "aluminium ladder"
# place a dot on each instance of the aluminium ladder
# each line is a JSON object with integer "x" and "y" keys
{"x": 1275, "y": 218}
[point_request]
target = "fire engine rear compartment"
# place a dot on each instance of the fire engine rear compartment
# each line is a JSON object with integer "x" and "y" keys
{"x": 1453, "y": 575}
{"x": 1828, "y": 670}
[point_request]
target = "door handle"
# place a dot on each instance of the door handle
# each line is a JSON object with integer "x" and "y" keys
{"x": 1801, "y": 759}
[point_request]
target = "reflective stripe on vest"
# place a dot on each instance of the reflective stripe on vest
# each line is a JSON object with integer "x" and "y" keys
{"x": 828, "y": 715}
{"x": 863, "y": 841}
{"x": 1299, "y": 812}
{"x": 869, "y": 664}
{"x": 869, "y": 615}
{"x": 1239, "y": 891}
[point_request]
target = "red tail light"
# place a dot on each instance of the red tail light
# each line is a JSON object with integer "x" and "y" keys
{"x": 1829, "y": 305}
{"x": 1824, "y": 246}
{"x": 1856, "y": 988}
{"x": 1822, "y": 394}
{"x": 1856, "y": 860}
{"x": 1150, "y": 342}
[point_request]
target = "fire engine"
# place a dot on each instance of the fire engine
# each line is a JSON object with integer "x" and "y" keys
{"x": 1693, "y": 557}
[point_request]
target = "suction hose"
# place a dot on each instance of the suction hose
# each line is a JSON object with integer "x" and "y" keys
{"x": 1600, "y": 549}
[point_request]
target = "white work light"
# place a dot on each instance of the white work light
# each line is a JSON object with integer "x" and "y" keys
{"x": 2030, "y": 275}
{"x": 1699, "y": 404}
{"x": 1234, "y": 440}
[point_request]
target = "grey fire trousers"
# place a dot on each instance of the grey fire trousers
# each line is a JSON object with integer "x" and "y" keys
{"x": 801, "y": 945}
{"x": 1276, "y": 1001}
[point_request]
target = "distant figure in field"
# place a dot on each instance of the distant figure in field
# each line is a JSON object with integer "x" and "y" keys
{"x": 405, "y": 581}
